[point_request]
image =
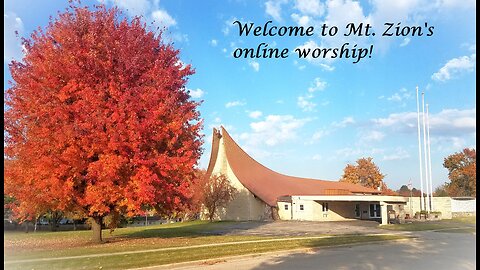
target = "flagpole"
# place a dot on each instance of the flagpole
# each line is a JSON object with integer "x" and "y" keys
{"x": 429, "y": 161}
{"x": 420, "y": 154}
{"x": 425, "y": 151}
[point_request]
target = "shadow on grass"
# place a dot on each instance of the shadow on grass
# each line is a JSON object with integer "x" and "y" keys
{"x": 194, "y": 229}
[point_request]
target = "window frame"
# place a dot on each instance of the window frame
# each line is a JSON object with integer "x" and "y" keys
{"x": 357, "y": 210}
{"x": 376, "y": 210}
{"x": 325, "y": 207}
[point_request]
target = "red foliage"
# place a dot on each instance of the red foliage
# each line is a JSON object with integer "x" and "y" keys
{"x": 99, "y": 119}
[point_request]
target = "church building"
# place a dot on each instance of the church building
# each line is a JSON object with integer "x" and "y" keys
{"x": 264, "y": 194}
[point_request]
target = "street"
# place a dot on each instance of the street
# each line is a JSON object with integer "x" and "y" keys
{"x": 431, "y": 250}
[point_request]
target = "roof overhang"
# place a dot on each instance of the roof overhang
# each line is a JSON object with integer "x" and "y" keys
{"x": 353, "y": 198}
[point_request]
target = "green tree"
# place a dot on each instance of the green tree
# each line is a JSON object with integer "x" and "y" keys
{"x": 441, "y": 191}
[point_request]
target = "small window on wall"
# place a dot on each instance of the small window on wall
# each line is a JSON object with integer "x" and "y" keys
{"x": 301, "y": 207}
{"x": 286, "y": 206}
{"x": 375, "y": 210}
{"x": 325, "y": 207}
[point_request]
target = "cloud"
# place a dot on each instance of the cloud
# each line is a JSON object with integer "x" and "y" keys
{"x": 12, "y": 46}
{"x": 274, "y": 130}
{"x": 255, "y": 114}
{"x": 180, "y": 64}
{"x": 317, "y": 157}
{"x": 234, "y": 104}
{"x": 336, "y": 10}
{"x": 345, "y": 122}
{"x": 254, "y": 64}
{"x": 274, "y": 9}
{"x": 198, "y": 93}
{"x": 304, "y": 20}
{"x": 300, "y": 67}
{"x": 317, "y": 85}
{"x": 455, "y": 66}
{"x": 358, "y": 152}
{"x": 324, "y": 63}
{"x": 398, "y": 154}
{"x": 452, "y": 4}
{"x": 405, "y": 42}
{"x": 229, "y": 25}
{"x": 448, "y": 122}
{"x": 320, "y": 134}
{"x": 402, "y": 95}
{"x": 162, "y": 18}
{"x": 372, "y": 135}
{"x": 305, "y": 103}
{"x": 312, "y": 7}
{"x": 213, "y": 42}
{"x": 133, "y": 7}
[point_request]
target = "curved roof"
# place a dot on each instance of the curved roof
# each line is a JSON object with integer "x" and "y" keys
{"x": 269, "y": 185}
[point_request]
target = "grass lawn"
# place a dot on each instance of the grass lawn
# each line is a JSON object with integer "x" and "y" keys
{"x": 447, "y": 225}
{"x": 24, "y": 246}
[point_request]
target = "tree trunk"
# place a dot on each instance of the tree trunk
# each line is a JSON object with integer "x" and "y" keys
{"x": 212, "y": 214}
{"x": 97, "y": 229}
{"x": 74, "y": 225}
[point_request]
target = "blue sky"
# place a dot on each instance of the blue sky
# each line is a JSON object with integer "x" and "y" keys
{"x": 311, "y": 117}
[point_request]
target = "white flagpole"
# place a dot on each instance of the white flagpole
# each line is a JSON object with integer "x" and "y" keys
{"x": 429, "y": 161}
{"x": 420, "y": 154}
{"x": 425, "y": 152}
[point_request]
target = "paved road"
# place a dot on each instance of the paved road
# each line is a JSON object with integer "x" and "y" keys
{"x": 431, "y": 250}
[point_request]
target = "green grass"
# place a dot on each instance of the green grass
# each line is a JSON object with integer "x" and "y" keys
{"x": 167, "y": 257}
{"x": 466, "y": 220}
{"x": 462, "y": 230}
{"x": 20, "y": 245}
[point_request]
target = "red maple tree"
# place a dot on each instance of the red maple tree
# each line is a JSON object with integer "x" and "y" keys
{"x": 99, "y": 120}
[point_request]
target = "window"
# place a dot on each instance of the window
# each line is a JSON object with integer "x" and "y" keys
{"x": 301, "y": 207}
{"x": 325, "y": 207}
{"x": 286, "y": 206}
{"x": 374, "y": 210}
{"x": 357, "y": 210}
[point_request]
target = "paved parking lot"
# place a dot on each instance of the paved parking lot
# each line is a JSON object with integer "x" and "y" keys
{"x": 297, "y": 228}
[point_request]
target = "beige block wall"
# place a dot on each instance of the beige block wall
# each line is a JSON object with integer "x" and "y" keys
{"x": 337, "y": 211}
{"x": 442, "y": 204}
{"x": 284, "y": 214}
{"x": 313, "y": 210}
{"x": 464, "y": 205}
{"x": 245, "y": 206}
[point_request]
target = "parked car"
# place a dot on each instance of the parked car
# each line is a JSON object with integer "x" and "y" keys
{"x": 64, "y": 221}
{"x": 42, "y": 222}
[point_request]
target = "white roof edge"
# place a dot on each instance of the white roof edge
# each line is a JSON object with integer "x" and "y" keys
{"x": 356, "y": 198}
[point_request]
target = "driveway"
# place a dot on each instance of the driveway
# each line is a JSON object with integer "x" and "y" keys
{"x": 431, "y": 250}
{"x": 298, "y": 228}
